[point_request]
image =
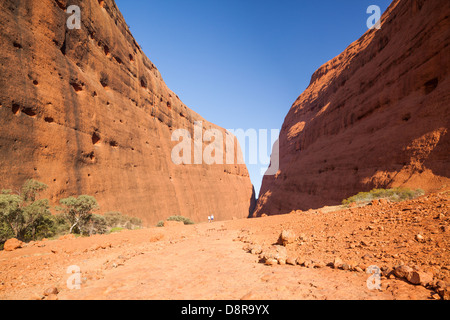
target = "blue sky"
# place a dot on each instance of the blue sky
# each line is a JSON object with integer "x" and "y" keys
{"x": 242, "y": 63}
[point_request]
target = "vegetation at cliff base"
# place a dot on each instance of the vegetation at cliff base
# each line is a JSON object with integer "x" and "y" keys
{"x": 394, "y": 195}
{"x": 27, "y": 217}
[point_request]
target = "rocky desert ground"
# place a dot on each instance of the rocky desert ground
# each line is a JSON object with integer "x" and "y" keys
{"x": 318, "y": 254}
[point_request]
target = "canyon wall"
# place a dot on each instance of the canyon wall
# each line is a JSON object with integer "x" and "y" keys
{"x": 86, "y": 112}
{"x": 377, "y": 115}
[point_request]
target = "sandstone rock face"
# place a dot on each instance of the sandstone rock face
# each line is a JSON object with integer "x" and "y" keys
{"x": 375, "y": 116}
{"x": 86, "y": 112}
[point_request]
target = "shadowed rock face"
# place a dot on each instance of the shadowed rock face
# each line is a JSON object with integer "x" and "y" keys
{"x": 375, "y": 116}
{"x": 86, "y": 112}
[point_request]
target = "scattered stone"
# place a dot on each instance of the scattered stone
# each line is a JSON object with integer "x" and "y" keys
{"x": 444, "y": 294}
{"x": 275, "y": 252}
{"x": 300, "y": 261}
{"x": 287, "y": 237}
{"x": 12, "y": 244}
{"x": 291, "y": 261}
{"x": 402, "y": 271}
{"x": 337, "y": 263}
{"x": 419, "y": 238}
{"x": 319, "y": 264}
{"x": 345, "y": 266}
{"x": 422, "y": 278}
{"x": 271, "y": 262}
{"x": 51, "y": 291}
{"x": 256, "y": 249}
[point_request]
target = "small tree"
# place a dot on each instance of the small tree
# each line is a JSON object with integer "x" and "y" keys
{"x": 78, "y": 211}
{"x": 21, "y": 212}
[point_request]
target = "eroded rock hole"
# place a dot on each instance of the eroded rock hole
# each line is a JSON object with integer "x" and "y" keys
{"x": 29, "y": 112}
{"x": 119, "y": 61}
{"x": 77, "y": 86}
{"x": 113, "y": 144}
{"x": 49, "y": 119}
{"x": 15, "y": 108}
{"x": 431, "y": 85}
{"x": 17, "y": 45}
{"x": 406, "y": 117}
{"x": 104, "y": 80}
{"x": 95, "y": 138}
{"x": 144, "y": 83}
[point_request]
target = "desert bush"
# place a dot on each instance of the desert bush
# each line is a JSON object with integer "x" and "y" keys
{"x": 22, "y": 213}
{"x": 395, "y": 195}
{"x": 119, "y": 220}
{"x": 185, "y": 220}
{"x": 97, "y": 225}
{"x": 78, "y": 212}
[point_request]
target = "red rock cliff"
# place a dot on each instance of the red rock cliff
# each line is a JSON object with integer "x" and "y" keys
{"x": 377, "y": 115}
{"x": 86, "y": 112}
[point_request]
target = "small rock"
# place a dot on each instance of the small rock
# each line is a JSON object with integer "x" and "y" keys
{"x": 417, "y": 277}
{"x": 291, "y": 261}
{"x": 441, "y": 284}
{"x": 287, "y": 237}
{"x": 444, "y": 294}
{"x": 337, "y": 263}
{"x": 402, "y": 271}
{"x": 345, "y": 266}
{"x": 300, "y": 261}
{"x": 319, "y": 264}
{"x": 257, "y": 249}
{"x": 12, "y": 244}
{"x": 419, "y": 238}
{"x": 271, "y": 262}
{"x": 51, "y": 291}
{"x": 275, "y": 252}
{"x": 308, "y": 264}
{"x": 435, "y": 296}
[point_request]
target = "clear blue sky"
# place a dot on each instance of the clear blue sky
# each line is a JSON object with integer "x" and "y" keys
{"x": 242, "y": 63}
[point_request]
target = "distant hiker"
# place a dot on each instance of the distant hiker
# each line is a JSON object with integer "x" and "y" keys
{"x": 212, "y": 218}
{"x": 209, "y": 219}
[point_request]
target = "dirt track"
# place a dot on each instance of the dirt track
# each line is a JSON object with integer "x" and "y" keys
{"x": 207, "y": 261}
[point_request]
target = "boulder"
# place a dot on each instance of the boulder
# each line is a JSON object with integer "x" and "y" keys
{"x": 12, "y": 244}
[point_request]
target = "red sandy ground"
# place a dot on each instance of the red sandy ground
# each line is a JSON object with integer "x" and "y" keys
{"x": 207, "y": 261}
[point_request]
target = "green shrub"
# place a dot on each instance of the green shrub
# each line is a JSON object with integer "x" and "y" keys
{"x": 185, "y": 220}
{"x": 395, "y": 195}
{"x": 22, "y": 213}
{"x": 118, "y": 220}
{"x": 160, "y": 224}
{"x": 78, "y": 212}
